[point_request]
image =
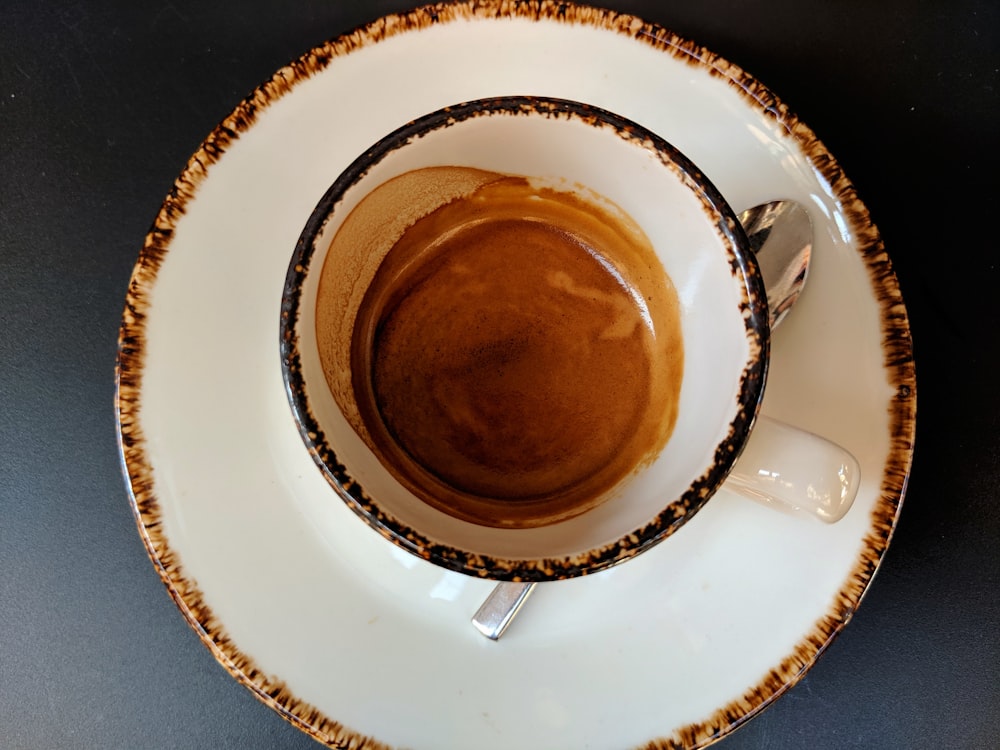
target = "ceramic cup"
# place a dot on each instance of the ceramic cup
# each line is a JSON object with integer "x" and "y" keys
{"x": 578, "y": 149}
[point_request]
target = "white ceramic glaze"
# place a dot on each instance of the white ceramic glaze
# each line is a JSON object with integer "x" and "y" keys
{"x": 567, "y": 147}
{"x": 796, "y": 471}
{"x": 352, "y": 638}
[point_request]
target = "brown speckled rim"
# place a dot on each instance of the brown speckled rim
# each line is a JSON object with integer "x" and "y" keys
{"x": 894, "y": 328}
{"x": 753, "y": 307}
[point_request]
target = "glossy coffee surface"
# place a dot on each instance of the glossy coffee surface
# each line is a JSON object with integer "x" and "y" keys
{"x": 517, "y": 353}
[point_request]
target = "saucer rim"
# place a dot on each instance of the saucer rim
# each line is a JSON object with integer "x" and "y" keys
{"x": 896, "y": 347}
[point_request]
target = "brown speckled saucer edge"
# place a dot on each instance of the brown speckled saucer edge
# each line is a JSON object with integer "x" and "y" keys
{"x": 895, "y": 332}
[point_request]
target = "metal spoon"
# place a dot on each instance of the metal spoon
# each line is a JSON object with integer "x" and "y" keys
{"x": 780, "y": 235}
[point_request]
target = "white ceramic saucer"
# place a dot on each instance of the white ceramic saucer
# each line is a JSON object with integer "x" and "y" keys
{"x": 353, "y": 640}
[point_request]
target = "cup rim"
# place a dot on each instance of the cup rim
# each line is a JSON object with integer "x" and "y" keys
{"x": 665, "y": 522}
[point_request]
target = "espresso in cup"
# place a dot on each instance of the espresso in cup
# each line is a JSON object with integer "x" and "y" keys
{"x": 517, "y": 354}
{"x": 523, "y": 338}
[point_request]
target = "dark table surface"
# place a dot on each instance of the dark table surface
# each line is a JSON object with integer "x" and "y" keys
{"x": 101, "y": 103}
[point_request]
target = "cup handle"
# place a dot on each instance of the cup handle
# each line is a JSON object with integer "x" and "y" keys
{"x": 781, "y": 466}
{"x": 795, "y": 471}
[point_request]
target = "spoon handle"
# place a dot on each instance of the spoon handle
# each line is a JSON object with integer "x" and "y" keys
{"x": 500, "y": 608}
